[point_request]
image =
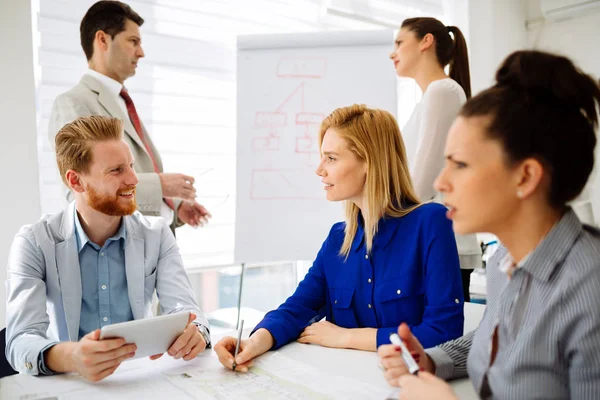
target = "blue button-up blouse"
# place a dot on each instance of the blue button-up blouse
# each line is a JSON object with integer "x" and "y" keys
{"x": 412, "y": 275}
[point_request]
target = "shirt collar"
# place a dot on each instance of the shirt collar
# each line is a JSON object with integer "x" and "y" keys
{"x": 386, "y": 227}
{"x": 82, "y": 237}
{"x": 507, "y": 265}
{"x": 110, "y": 84}
{"x": 542, "y": 261}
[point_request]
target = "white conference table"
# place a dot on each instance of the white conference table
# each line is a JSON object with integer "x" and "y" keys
{"x": 142, "y": 378}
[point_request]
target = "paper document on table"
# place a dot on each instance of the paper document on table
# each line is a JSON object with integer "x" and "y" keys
{"x": 393, "y": 395}
{"x": 273, "y": 376}
{"x": 128, "y": 383}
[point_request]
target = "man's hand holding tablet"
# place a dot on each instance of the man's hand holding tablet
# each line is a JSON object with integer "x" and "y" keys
{"x": 99, "y": 353}
{"x": 173, "y": 333}
{"x": 188, "y": 345}
{"x": 92, "y": 358}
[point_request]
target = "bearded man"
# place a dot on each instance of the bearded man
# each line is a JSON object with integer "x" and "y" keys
{"x": 95, "y": 263}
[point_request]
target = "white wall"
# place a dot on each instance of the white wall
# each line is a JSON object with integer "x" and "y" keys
{"x": 496, "y": 29}
{"x": 20, "y": 196}
{"x": 457, "y": 13}
{"x": 577, "y": 39}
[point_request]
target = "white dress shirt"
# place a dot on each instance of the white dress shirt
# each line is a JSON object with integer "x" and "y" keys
{"x": 115, "y": 88}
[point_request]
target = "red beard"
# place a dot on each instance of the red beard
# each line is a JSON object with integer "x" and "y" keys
{"x": 115, "y": 206}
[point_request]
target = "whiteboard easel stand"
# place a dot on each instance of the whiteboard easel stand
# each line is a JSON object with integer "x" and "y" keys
{"x": 239, "y": 302}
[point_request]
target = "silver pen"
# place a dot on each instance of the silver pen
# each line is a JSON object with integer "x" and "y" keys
{"x": 237, "y": 345}
{"x": 412, "y": 365}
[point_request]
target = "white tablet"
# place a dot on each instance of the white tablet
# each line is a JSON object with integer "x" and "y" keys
{"x": 151, "y": 335}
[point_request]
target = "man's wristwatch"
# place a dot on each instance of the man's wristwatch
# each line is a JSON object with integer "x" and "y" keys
{"x": 205, "y": 334}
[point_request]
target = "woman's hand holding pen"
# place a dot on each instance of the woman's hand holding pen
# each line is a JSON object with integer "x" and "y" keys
{"x": 260, "y": 342}
{"x": 391, "y": 358}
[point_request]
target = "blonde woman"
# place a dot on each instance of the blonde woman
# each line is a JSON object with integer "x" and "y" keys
{"x": 423, "y": 47}
{"x": 393, "y": 259}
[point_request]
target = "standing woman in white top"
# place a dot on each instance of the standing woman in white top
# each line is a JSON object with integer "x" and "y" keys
{"x": 423, "y": 47}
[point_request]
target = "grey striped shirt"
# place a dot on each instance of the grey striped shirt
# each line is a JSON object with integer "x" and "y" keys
{"x": 548, "y": 317}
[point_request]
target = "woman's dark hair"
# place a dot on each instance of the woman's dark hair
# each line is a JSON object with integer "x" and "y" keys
{"x": 106, "y": 16}
{"x": 447, "y": 50}
{"x": 543, "y": 107}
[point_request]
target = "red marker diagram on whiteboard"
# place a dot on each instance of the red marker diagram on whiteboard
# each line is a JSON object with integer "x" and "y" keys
{"x": 291, "y": 128}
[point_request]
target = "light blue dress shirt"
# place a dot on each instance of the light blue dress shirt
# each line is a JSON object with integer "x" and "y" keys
{"x": 104, "y": 297}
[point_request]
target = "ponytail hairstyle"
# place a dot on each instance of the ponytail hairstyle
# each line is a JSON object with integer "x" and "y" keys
{"x": 543, "y": 107}
{"x": 448, "y": 50}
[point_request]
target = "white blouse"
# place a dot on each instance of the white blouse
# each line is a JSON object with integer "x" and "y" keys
{"x": 426, "y": 130}
{"x": 424, "y": 136}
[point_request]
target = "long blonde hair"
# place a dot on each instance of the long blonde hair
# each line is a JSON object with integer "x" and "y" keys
{"x": 374, "y": 137}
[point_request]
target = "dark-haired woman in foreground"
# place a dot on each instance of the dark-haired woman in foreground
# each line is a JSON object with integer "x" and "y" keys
{"x": 518, "y": 152}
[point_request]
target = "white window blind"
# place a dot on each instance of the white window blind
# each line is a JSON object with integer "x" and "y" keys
{"x": 184, "y": 89}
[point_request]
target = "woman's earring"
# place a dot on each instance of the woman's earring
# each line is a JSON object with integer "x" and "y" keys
{"x": 520, "y": 194}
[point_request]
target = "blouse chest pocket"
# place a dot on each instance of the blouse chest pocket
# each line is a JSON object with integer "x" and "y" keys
{"x": 399, "y": 300}
{"x": 342, "y": 309}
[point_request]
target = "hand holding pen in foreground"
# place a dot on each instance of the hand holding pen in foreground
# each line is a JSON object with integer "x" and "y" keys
{"x": 260, "y": 342}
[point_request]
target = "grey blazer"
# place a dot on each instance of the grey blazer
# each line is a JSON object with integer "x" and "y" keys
{"x": 43, "y": 283}
{"x": 90, "y": 97}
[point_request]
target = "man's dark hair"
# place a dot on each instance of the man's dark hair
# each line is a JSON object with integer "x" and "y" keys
{"x": 106, "y": 16}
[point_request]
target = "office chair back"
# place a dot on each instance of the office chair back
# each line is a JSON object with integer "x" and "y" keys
{"x": 5, "y": 368}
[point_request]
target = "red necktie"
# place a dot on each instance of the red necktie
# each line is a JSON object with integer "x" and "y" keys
{"x": 135, "y": 120}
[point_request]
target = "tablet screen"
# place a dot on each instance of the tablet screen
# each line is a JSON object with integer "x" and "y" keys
{"x": 150, "y": 335}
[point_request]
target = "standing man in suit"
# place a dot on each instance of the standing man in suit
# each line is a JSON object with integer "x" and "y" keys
{"x": 111, "y": 41}
{"x": 95, "y": 263}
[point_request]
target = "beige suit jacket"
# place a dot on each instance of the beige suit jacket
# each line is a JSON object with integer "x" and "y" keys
{"x": 90, "y": 97}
